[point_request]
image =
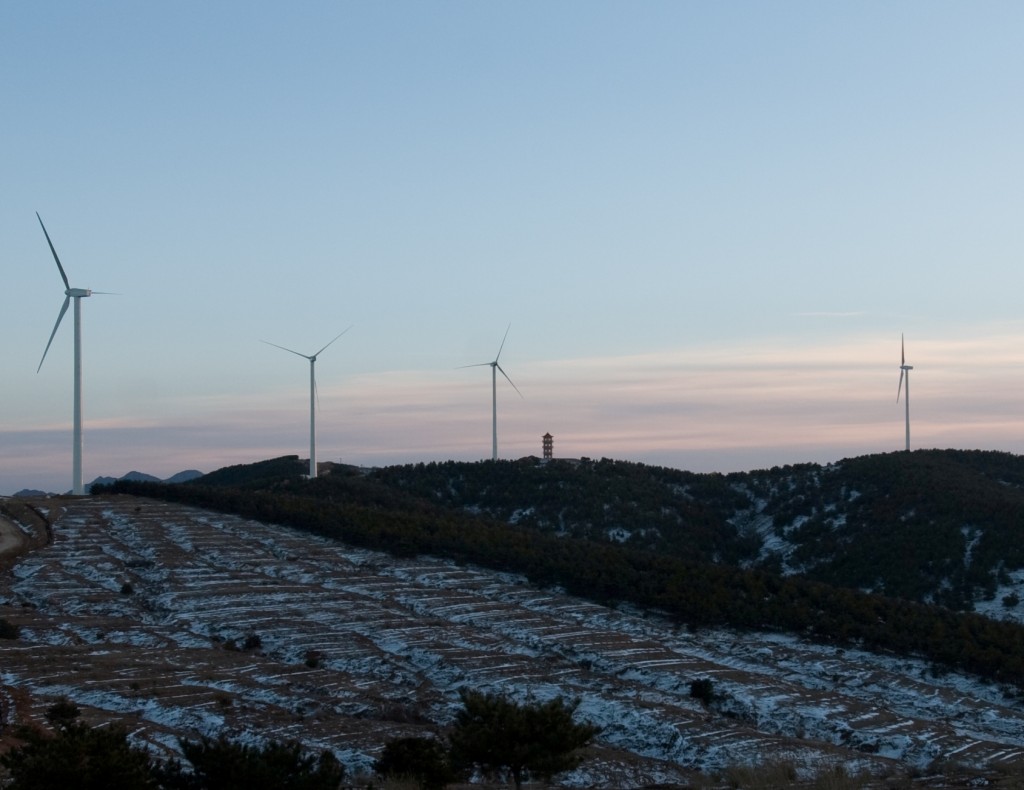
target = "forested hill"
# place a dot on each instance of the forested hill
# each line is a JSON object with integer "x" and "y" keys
{"x": 942, "y": 526}
{"x": 935, "y": 526}
{"x": 858, "y": 551}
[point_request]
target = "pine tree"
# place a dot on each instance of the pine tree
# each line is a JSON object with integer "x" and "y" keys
{"x": 541, "y": 739}
{"x": 76, "y": 755}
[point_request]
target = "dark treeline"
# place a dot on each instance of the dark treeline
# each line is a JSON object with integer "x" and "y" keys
{"x": 935, "y": 526}
{"x": 360, "y": 511}
{"x": 492, "y": 734}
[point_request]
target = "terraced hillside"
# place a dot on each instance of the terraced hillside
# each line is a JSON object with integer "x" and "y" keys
{"x": 179, "y": 621}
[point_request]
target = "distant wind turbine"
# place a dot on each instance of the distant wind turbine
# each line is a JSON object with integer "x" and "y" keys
{"x": 494, "y": 392}
{"x": 77, "y": 294}
{"x": 312, "y": 397}
{"x": 905, "y": 371}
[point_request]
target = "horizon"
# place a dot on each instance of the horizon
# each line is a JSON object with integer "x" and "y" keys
{"x": 708, "y": 226}
{"x": 682, "y": 410}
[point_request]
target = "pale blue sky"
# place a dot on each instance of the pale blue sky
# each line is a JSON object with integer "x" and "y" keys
{"x": 708, "y": 224}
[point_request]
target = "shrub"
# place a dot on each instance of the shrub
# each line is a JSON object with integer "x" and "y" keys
{"x": 76, "y": 755}
{"x": 222, "y": 764}
{"x": 754, "y": 777}
{"x": 8, "y": 630}
{"x": 702, "y": 689}
{"x": 63, "y": 714}
{"x": 424, "y": 760}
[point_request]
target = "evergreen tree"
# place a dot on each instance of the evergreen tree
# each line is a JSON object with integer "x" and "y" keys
{"x": 425, "y": 760}
{"x": 221, "y": 764}
{"x": 495, "y": 734}
{"x": 76, "y": 755}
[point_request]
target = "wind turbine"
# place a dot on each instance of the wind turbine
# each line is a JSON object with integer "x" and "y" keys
{"x": 312, "y": 397}
{"x": 905, "y": 371}
{"x": 494, "y": 392}
{"x": 77, "y": 294}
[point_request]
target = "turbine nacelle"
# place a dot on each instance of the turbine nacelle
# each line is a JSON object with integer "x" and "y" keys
{"x": 75, "y": 293}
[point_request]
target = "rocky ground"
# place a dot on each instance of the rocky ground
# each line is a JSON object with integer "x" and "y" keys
{"x": 179, "y": 622}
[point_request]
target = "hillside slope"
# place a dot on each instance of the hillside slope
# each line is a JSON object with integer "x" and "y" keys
{"x": 936, "y": 526}
{"x": 141, "y": 611}
{"x": 373, "y": 511}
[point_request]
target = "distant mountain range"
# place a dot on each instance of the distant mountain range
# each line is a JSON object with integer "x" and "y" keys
{"x": 142, "y": 477}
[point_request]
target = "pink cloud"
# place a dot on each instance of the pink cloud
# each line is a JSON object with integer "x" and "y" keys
{"x": 726, "y": 407}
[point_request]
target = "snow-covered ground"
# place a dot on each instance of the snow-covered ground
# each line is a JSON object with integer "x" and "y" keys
{"x": 139, "y": 609}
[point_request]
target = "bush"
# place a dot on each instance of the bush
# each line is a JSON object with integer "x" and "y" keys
{"x": 702, "y": 689}
{"x": 76, "y": 755}
{"x": 770, "y": 776}
{"x": 424, "y": 760}
{"x": 8, "y": 630}
{"x": 63, "y": 714}
{"x": 224, "y": 765}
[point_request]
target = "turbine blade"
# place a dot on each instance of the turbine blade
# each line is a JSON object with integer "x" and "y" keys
{"x": 503, "y": 373}
{"x": 318, "y": 353}
{"x": 275, "y": 345}
{"x": 502, "y": 346}
{"x": 63, "y": 276}
{"x": 60, "y": 315}
{"x": 475, "y": 365}
{"x": 903, "y": 355}
{"x": 316, "y": 391}
{"x": 900, "y": 388}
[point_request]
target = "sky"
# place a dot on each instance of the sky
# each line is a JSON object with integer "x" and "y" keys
{"x": 705, "y": 227}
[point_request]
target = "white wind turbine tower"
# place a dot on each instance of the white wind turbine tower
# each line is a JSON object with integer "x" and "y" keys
{"x": 494, "y": 393}
{"x": 312, "y": 397}
{"x": 77, "y": 294}
{"x": 905, "y": 371}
